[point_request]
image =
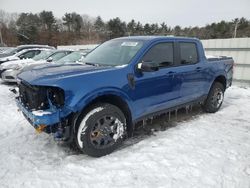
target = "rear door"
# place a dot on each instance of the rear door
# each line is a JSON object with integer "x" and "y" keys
{"x": 193, "y": 70}
{"x": 157, "y": 90}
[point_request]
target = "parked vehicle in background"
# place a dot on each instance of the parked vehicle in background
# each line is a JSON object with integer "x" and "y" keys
{"x": 9, "y": 70}
{"x": 52, "y": 55}
{"x": 73, "y": 57}
{"x": 24, "y": 54}
{"x": 17, "y": 49}
{"x": 97, "y": 103}
{"x": 5, "y": 50}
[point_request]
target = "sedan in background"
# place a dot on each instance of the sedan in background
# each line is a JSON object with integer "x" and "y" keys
{"x": 13, "y": 51}
{"x": 73, "y": 57}
{"x": 24, "y": 54}
{"x": 69, "y": 60}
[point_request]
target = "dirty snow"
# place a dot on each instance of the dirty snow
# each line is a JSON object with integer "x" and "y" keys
{"x": 206, "y": 150}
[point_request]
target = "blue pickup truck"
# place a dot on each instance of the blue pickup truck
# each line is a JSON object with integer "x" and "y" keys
{"x": 95, "y": 103}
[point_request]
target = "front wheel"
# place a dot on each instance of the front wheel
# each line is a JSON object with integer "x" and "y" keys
{"x": 101, "y": 130}
{"x": 215, "y": 98}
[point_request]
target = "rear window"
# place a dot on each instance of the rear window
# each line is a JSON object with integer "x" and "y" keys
{"x": 188, "y": 53}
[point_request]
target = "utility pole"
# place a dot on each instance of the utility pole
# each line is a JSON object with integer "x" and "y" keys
{"x": 1, "y": 38}
{"x": 235, "y": 28}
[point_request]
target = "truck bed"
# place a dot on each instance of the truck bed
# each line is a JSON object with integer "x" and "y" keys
{"x": 218, "y": 58}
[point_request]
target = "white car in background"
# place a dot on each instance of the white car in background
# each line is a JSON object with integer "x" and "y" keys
{"x": 9, "y": 70}
{"x": 13, "y": 50}
{"x": 5, "y": 50}
{"x": 24, "y": 54}
{"x": 71, "y": 59}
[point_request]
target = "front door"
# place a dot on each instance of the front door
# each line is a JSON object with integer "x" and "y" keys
{"x": 155, "y": 91}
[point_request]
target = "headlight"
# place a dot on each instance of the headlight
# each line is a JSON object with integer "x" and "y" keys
{"x": 56, "y": 96}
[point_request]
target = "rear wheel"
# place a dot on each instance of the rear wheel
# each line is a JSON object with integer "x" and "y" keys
{"x": 215, "y": 98}
{"x": 101, "y": 130}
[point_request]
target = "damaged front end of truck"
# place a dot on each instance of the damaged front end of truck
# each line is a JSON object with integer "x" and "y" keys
{"x": 44, "y": 108}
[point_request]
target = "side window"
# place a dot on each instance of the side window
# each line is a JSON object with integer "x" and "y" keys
{"x": 29, "y": 54}
{"x": 58, "y": 56}
{"x": 161, "y": 54}
{"x": 188, "y": 53}
{"x": 37, "y": 52}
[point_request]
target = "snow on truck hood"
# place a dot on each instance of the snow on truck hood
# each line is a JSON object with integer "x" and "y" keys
{"x": 44, "y": 75}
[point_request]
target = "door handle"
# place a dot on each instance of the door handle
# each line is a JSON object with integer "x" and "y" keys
{"x": 198, "y": 69}
{"x": 170, "y": 72}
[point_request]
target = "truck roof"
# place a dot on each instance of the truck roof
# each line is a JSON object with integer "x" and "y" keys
{"x": 151, "y": 38}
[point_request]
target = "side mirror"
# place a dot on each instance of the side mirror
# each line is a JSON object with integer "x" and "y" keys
{"x": 50, "y": 59}
{"x": 147, "y": 67}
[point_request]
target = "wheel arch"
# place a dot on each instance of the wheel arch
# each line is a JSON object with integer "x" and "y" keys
{"x": 221, "y": 79}
{"x": 115, "y": 99}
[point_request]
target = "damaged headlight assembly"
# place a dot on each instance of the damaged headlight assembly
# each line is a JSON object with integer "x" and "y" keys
{"x": 56, "y": 96}
{"x": 40, "y": 97}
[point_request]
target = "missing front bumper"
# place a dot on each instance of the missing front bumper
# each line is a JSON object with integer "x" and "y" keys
{"x": 52, "y": 120}
{"x": 46, "y": 117}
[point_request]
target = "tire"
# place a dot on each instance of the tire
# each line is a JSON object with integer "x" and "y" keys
{"x": 101, "y": 130}
{"x": 215, "y": 98}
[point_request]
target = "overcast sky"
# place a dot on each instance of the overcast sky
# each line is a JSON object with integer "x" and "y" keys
{"x": 173, "y": 12}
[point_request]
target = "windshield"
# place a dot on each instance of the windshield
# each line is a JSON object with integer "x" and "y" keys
{"x": 10, "y": 51}
{"x": 58, "y": 55}
{"x": 114, "y": 52}
{"x": 72, "y": 57}
{"x": 43, "y": 55}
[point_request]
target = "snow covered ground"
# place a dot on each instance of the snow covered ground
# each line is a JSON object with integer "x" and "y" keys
{"x": 206, "y": 150}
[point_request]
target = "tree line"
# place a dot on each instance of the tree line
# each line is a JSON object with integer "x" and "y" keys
{"x": 73, "y": 28}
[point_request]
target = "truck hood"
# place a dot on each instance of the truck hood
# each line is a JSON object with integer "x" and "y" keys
{"x": 50, "y": 74}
